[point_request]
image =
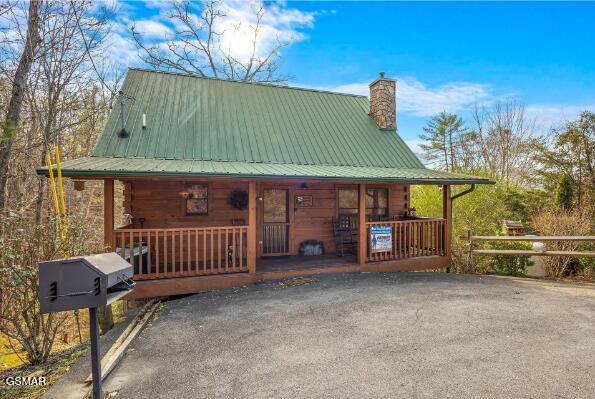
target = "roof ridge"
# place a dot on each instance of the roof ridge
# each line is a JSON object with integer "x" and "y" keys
{"x": 244, "y": 82}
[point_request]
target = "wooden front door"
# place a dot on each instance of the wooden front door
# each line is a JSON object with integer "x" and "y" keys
{"x": 275, "y": 231}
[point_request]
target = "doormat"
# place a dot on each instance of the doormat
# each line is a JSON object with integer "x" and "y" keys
{"x": 298, "y": 281}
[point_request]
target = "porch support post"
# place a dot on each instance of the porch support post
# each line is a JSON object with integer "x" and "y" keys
{"x": 106, "y": 317}
{"x": 252, "y": 227}
{"x": 362, "y": 234}
{"x": 447, "y": 214}
{"x": 108, "y": 214}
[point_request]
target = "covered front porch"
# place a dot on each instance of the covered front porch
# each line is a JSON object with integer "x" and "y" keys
{"x": 227, "y": 247}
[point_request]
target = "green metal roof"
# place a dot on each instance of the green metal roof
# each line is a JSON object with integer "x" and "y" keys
{"x": 131, "y": 167}
{"x": 219, "y": 120}
{"x": 213, "y": 127}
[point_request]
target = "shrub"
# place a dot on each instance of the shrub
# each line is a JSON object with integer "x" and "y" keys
{"x": 481, "y": 211}
{"x": 509, "y": 265}
{"x": 565, "y": 223}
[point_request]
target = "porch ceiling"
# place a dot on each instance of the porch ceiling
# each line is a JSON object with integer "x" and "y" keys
{"x": 149, "y": 167}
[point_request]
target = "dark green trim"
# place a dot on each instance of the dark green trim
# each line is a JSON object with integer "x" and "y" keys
{"x": 88, "y": 173}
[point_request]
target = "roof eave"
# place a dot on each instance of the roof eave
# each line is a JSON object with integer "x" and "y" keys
{"x": 80, "y": 173}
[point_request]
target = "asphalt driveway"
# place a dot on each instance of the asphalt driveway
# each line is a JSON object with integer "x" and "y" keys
{"x": 370, "y": 335}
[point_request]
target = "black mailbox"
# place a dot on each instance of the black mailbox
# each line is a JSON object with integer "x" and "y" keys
{"x": 83, "y": 282}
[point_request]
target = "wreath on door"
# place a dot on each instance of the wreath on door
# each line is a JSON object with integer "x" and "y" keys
{"x": 239, "y": 199}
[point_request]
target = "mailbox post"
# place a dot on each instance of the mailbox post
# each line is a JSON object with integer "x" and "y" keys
{"x": 85, "y": 282}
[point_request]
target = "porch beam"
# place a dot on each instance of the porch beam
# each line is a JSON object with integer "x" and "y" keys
{"x": 447, "y": 214}
{"x": 251, "y": 227}
{"x": 362, "y": 234}
{"x": 108, "y": 214}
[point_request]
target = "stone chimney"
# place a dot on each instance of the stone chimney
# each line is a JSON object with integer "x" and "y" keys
{"x": 383, "y": 102}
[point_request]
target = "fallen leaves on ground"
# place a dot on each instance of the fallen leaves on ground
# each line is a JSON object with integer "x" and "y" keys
{"x": 298, "y": 281}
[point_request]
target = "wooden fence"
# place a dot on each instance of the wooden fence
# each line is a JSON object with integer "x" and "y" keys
{"x": 526, "y": 252}
{"x": 164, "y": 253}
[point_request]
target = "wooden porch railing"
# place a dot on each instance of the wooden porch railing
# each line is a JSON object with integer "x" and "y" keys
{"x": 410, "y": 239}
{"x": 164, "y": 253}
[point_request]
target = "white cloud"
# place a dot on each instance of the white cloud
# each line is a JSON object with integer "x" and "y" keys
{"x": 121, "y": 50}
{"x": 414, "y": 145}
{"x": 415, "y": 98}
{"x": 554, "y": 115}
{"x": 279, "y": 24}
{"x": 152, "y": 29}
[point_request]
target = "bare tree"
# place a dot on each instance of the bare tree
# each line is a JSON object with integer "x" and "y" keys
{"x": 65, "y": 103}
{"x": 70, "y": 37}
{"x": 19, "y": 82}
{"x": 196, "y": 47}
{"x": 503, "y": 136}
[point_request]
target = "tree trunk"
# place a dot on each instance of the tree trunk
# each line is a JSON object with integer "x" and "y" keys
{"x": 40, "y": 192}
{"x": 19, "y": 83}
{"x": 106, "y": 318}
{"x": 451, "y": 150}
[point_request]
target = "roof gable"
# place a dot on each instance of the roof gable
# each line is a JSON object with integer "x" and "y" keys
{"x": 191, "y": 118}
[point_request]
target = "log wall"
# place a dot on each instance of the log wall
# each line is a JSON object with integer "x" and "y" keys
{"x": 160, "y": 203}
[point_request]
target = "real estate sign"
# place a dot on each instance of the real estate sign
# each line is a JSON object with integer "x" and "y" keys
{"x": 381, "y": 238}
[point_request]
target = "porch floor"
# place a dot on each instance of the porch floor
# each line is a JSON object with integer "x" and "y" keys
{"x": 286, "y": 264}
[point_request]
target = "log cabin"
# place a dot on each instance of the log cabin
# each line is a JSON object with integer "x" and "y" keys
{"x": 227, "y": 183}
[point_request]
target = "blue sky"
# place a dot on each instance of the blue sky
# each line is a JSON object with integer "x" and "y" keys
{"x": 445, "y": 56}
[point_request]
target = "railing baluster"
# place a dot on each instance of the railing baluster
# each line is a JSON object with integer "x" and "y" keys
{"x": 219, "y": 250}
{"x": 131, "y": 250}
{"x": 140, "y": 253}
{"x": 403, "y": 240}
{"x": 157, "y": 253}
{"x": 439, "y": 236}
{"x": 415, "y": 238}
{"x": 419, "y": 239}
{"x": 423, "y": 238}
{"x": 438, "y": 224}
{"x": 397, "y": 240}
{"x": 177, "y": 251}
{"x": 204, "y": 251}
{"x": 241, "y": 248}
{"x": 233, "y": 249}
{"x": 438, "y": 239}
{"x": 418, "y": 243}
{"x": 188, "y": 253}
{"x": 226, "y": 250}
{"x": 172, "y": 272}
{"x": 165, "y": 253}
{"x": 181, "y": 252}
{"x": 429, "y": 239}
{"x": 393, "y": 243}
{"x": 196, "y": 258}
{"x": 212, "y": 248}
{"x": 435, "y": 238}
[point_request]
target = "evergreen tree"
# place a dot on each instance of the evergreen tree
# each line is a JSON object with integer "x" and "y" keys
{"x": 444, "y": 138}
{"x": 571, "y": 152}
{"x": 564, "y": 196}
